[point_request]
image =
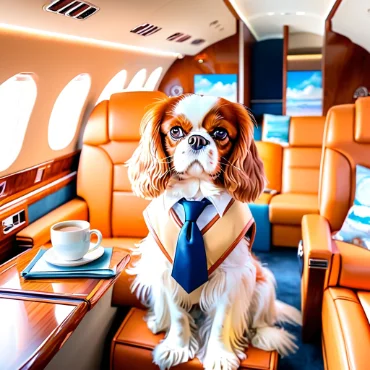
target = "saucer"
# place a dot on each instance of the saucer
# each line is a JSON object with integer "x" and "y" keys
{"x": 51, "y": 257}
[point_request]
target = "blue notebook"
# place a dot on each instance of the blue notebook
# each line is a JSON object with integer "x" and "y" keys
{"x": 38, "y": 268}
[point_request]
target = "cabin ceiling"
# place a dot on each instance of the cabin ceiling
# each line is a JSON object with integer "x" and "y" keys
{"x": 266, "y": 18}
{"x": 116, "y": 18}
{"x": 352, "y": 19}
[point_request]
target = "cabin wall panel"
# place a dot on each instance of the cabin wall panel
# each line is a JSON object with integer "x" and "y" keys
{"x": 55, "y": 62}
{"x": 345, "y": 66}
{"x": 222, "y": 57}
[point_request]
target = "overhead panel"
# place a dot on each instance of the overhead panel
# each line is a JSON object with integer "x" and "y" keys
{"x": 352, "y": 19}
{"x": 267, "y": 18}
{"x": 201, "y": 22}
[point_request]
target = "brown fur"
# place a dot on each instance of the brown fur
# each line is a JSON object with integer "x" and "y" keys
{"x": 149, "y": 168}
{"x": 241, "y": 169}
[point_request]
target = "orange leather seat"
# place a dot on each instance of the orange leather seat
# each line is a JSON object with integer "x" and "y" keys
{"x": 272, "y": 158}
{"x": 133, "y": 345}
{"x": 289, "y": 208}
{"x": 346, "y": 317}
{"x": 336, "y": 275}
{"x": 300, "y": 180}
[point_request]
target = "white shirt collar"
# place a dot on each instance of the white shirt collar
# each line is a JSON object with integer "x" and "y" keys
{"x": 189, "y": 190}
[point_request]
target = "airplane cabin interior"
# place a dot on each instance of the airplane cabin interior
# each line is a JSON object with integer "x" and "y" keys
{"x": 185, "y": 184}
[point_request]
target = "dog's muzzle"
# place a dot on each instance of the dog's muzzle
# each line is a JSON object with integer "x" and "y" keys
{"x": 197, "y": 142}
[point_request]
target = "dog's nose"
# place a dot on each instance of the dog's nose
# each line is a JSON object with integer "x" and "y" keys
{"x": 197, "y": 142}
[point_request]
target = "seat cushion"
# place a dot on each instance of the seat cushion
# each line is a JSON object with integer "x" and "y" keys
{"x": 289, "y": 208}
{"x": 355, "y": 261}
{"x": 345, "y": 328}
{"x": 264, "y": 198}
{"x": 133, "y": 344}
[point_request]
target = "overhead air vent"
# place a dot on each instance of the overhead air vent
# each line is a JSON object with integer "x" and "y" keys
{"x": 198, "y": 41}
{"x": 178, "y": 37}
{"x": 71, "y": 8}
{"x": 145, "y": 29}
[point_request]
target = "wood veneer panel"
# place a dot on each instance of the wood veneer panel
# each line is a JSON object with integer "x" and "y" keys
{"x": 89, "y": 290}
{"x": 22, "y": 182}
{"x": 7, "y": 249}
{"x": 33, "y": 331}
{"x": 222, "y": 57}
{"x": 249, "y": 40}
{"x": 285, "y": 65}
{"x": 345, "y": 67}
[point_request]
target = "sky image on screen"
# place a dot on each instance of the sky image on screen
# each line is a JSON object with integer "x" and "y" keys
{"x": 221, "y": 85}
{"x": 304, "y": 93}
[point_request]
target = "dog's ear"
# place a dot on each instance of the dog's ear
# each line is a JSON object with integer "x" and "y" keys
{"x": 148, "y": 168}
{"x": 244, "y": 176}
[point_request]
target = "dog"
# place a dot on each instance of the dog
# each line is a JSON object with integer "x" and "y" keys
{"x": 194, "y": 147}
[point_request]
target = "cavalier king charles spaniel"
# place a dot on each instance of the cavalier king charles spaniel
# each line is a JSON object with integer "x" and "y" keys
{"x": 197, "y": 147}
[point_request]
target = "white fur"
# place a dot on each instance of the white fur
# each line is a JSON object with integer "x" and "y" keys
{"x": 195, "y": 108}
{"x": 185, "y": 159}
{"x": 236, "y": 309}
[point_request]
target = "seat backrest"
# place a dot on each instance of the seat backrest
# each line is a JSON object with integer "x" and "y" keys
{"x": 272, "y": 157}
{"x": 110, "y": 138}
{"x": 301, "y": 158}
{"x": 346, "y": 144}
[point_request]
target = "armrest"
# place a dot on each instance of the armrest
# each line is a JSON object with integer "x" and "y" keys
{"x": 122, "y": 295}
{"x": 38, "y": 232}
{"x": 317, "y": 240}
{"x": 318, "y": 252}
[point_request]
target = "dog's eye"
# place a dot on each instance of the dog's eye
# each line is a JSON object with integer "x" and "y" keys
{"x": 176, "y": 132}
{"x": 220, "y": 134}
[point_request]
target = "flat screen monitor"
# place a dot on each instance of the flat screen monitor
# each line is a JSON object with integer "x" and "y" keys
{"x": 304, "y": 93}
{"x": 220, "y": 85}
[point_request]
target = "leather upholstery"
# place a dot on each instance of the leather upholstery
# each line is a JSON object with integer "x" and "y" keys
{"x": 286, "y": 235}
{"x": 264, "y": 198}
{"x": 301, "y": 170}
{"x": 355, "y": 266}
{"x": 38, "y": 233}
{"x": 111, "y": 135}
{"x": 362, "y": 130}
{"x": 306, "y": 132}
{"x": 272, "y": 157}
{"x": 300, "y": 180}
{"x": 133, "y": 344}
{"x": 289, "y": 208}
{"x": 346, "y": 333}
{"x": 342, "y": 290}
{"x": 340, "y": 156}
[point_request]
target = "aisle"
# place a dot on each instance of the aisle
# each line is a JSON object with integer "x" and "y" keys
{"x": 283, "y": 263}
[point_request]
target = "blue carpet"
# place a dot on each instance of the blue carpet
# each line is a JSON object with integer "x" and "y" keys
{"x": 284, "y": 264}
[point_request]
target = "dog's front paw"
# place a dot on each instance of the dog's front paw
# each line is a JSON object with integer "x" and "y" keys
{"x": 154, "y": 325}
{"x": 170, "y": 353}
{"x": 219, "y": 358}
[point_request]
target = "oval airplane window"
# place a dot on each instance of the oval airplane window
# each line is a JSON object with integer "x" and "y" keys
{"x": 67, "y": 111}
{"x": 116, "y": 84}
{"x": 17, "y": 99}
{"x": 153, "y": 79}
{"x": 137, "y": 82}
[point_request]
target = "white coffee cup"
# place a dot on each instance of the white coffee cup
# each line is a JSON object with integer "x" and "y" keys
{"x": 71, "y": 239}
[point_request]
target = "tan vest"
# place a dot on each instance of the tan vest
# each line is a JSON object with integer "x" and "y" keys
{"x": 221, "y": 235}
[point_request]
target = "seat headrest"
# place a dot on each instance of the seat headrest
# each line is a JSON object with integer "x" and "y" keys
{"x": 306, "y": 131}
{"x": 362, "y": 124}
{"x": 118, "y": 119}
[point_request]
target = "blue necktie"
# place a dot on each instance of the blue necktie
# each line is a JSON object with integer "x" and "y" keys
{"x": 190, "y": 263}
